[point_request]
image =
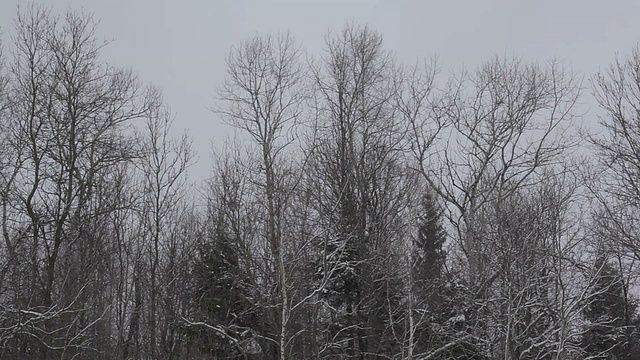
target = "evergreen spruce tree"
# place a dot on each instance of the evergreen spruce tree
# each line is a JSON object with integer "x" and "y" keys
{"x": 428, "y": 269}
{"x": 610, "y": 333}
{"x": 435, "y": 293}
{"x": 222, "y": 297}
{"x": 427, "y": 274}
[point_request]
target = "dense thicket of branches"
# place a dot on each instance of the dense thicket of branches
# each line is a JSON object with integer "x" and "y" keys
{"x": 368, "y": 209}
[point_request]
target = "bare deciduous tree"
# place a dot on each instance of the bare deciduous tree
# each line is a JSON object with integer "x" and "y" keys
{"x": 68, "y": 112}
{"x": 618, "y": 149}
{"x": 489, "y": 136}
{"x": 164, "y": 188}
{"x": 505, "y": 124}
{"x": 357, "y": 169}
{"x": 263, "y": 96}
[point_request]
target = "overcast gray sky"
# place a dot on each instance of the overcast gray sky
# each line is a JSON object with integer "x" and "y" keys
{"x": 180, "y": 45}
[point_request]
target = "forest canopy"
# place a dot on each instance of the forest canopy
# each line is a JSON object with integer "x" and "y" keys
{"x": 374, "y": 208}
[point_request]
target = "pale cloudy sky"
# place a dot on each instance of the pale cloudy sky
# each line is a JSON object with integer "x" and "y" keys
{"x": 180, "y": 45}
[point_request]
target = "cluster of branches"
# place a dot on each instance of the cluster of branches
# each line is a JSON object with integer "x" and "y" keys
{"x": 367, "y": 210}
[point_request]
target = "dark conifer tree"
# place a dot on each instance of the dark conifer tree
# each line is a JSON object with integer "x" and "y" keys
{"x": 222, "y": 296}
{"x": 428, "y": 269}
{"x": 610, "y": 314}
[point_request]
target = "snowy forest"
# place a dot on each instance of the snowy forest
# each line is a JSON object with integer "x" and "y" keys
{"x": 370, "y": 207}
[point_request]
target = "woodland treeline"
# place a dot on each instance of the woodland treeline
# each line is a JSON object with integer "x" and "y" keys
{"x": 371, "y": 208}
